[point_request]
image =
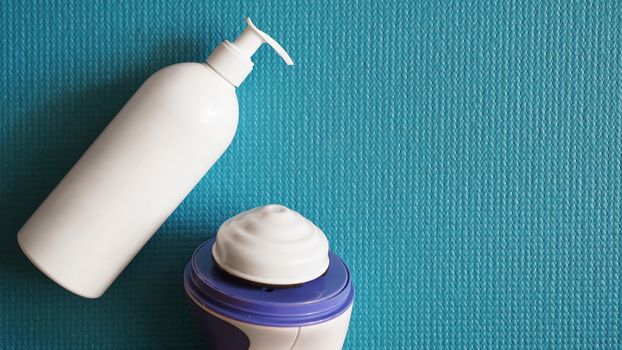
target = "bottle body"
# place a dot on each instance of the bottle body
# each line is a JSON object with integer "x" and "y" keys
{"x": 238, "y": 314}
{"x": 228, "y": 334}
{"x": 132, "y": 178}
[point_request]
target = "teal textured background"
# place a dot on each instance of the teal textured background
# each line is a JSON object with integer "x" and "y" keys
{"x": 464, "y": 157}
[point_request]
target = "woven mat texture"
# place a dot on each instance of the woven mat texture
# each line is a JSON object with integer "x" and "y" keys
{"x": 464, "y": 158}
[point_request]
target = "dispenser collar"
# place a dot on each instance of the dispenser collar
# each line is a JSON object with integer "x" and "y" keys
{"x": 233, "y": 60}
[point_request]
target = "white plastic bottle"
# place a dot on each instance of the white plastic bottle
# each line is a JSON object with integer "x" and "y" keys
{"x": 140, "y": 168}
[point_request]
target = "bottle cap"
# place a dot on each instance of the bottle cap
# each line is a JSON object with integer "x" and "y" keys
{"x": 271, "y": 245}
{"x": 316, "y": 301}
{"x": 233, "y": 59}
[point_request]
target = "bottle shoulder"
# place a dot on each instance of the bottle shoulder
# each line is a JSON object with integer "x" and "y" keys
{"x": 190, "y": 93}
{"x": 195, "y": 73}
{"x": 192, "y": 83}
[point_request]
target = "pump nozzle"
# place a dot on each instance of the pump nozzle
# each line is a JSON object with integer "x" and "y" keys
{"x": 252, "y": 38}
{"x": 233, "y": 60}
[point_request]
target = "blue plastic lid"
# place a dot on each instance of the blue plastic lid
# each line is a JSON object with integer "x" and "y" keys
{"x": 316, "y": 301}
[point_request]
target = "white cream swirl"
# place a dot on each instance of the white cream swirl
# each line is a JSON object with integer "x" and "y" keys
{"x": 271, "y": 245}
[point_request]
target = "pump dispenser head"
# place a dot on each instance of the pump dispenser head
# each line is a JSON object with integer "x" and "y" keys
{"x": 233, "y": 60}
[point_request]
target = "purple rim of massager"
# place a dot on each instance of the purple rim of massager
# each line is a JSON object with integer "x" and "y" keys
{"x": 316, "y": 301}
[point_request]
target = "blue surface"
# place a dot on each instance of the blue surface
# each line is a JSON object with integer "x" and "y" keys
{"x": 464, "y": 159}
